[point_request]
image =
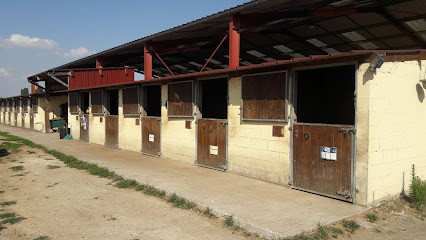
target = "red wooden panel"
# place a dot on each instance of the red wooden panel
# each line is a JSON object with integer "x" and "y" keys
{"x": 89, "y": 78}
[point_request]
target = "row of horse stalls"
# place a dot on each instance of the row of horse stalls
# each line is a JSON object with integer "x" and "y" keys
{"x": 317, "y": 124}
{"x": 325, "y": 97}
{"x": 28, "y": 111}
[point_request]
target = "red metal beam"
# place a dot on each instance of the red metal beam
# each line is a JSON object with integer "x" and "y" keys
{"x": 147, "y": 63}
{"x": 234, "y": 42}
{"x": 163, "y": 62}
{"x": 220, "y": 44}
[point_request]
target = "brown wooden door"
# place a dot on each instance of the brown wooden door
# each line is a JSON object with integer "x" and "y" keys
{"x": 322, "y": 160}
{"x": 10, "y": 118}
{"x": 84, "y": 127}
{"x": 151, "y": 135}
{"x": 32, "y": 121}
{"x": 211, "y": 143}
{"x": 23, "y": 120}
{"x": 111, "y": 131}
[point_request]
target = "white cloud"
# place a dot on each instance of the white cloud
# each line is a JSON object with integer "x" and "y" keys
{"x": 22, "y": 41}
{"x": 78, "y": 53}
{"x": 3, "y": 72}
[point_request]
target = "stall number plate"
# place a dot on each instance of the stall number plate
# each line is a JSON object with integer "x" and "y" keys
{"x": 329, "y": 153}
{"x": 151, "y": 137}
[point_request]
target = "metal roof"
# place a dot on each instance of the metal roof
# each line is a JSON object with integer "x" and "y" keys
{"x": 274, "y": 30}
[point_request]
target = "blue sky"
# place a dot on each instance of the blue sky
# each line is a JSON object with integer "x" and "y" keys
{"x": 38, "y": 35}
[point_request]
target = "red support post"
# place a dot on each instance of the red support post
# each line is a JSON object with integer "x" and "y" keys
{"x": 32, "y": 88}
{"x": 147, "y": 63}
{"x": 99, "y": 63}
{"x": 234, "y": 42}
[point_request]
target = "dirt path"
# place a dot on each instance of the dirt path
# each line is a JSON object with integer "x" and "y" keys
{"x": 64, "y": 203}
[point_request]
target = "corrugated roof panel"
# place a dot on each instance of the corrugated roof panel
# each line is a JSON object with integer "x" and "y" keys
{"x": 417, "y": 25}
{"x": 316, "y": 42}
{"x": 283, "y": 48}
{"x": 368, "y": 46}
{"x": 353, "y": 36}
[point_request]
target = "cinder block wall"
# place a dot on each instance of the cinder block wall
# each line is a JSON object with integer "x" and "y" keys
{"x": 19, "y": 118}
{"x": 96, "y": 127}
{"x": 252, "y": 150}
{"x": 130, "y": 134}
{"x": 74, "y": 124}
{"x": 397, "y": 132}
{"x": 177, "y": 142}
{"x": 39, "y": 121}
{"x": 55, "y": 105}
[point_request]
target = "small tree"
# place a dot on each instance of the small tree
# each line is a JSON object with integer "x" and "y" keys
{"x": 24, "y": 91}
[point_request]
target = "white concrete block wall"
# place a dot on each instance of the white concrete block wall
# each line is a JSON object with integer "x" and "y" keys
{"x": 396, "y": 132}
{"x": 130, "y": 134}
{"x": 177, "y": 142}
{"x": 253, "y": 151}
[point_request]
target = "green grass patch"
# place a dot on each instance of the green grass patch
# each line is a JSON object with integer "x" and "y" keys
{"x": 17, "y": 168}
{"x": 335, "y": 232}
{"x": 18, "y": 175}
{"x": 42, "y": 238}
{"x": 321, "y": 232}
{"x": 350, "y": 225}
{"x": 371, "y": 217}
{"x": 7, "y": 215}
{"x": 208, "y": 212}
{"x": 229, "y": 221}
{"x": 128, "y": 183}
{"x": 417, "y": 191}
{"x": 52, "y": 166}
{"x": 2, "y": 227}
{"x": 1, "y": 191}
{"x": 153, "y": 191}
{"x": 8, "y": 203}
{"x": 13, "y": 220}
{"x": 181, "y": 202}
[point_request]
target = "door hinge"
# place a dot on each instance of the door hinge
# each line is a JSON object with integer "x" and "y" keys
{"x": 344, "y": 193}
{"x": 346, "y": 131}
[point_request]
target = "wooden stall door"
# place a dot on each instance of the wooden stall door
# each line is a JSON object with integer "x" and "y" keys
{"x": 151, "y": 135}
{"x": 322, "y": 170}
{"x": 32, "y": 121}
{"x": 10, "y": 118}
{"x": 211, "y": 143}
{"x": 23, "y": 120}
{"x": 4, "y": 118}
{"x": 16, "y": 120}
{"x": 84, "y": 127}
{"x": 111, "y": 131}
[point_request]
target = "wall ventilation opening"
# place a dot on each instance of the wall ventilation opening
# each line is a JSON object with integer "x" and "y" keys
{"x": 214, "y": 98}
{"x": 112, "y": 102}
{"x": 153, "y": 100}
{"x": 84, "y": 102}
{"x": 326, "y": 95}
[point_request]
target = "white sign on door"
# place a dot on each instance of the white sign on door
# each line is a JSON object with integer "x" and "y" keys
{"x": 328, "y": 153}
{"x": 151, "y": 137}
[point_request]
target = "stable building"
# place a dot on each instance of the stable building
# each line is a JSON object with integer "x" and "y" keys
{"x": 299, "y": 95}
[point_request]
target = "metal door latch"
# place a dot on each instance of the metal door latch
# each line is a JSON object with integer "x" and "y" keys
{"x": 344, "y": 193}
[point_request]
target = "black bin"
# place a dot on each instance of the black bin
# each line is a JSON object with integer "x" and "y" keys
{"x": 62, "y": 132}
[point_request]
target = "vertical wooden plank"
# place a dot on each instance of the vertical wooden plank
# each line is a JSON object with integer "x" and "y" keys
{"x": 111, "y": 131}
{"x": 84, "y": 127}
{"x": 151, "y": 126}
